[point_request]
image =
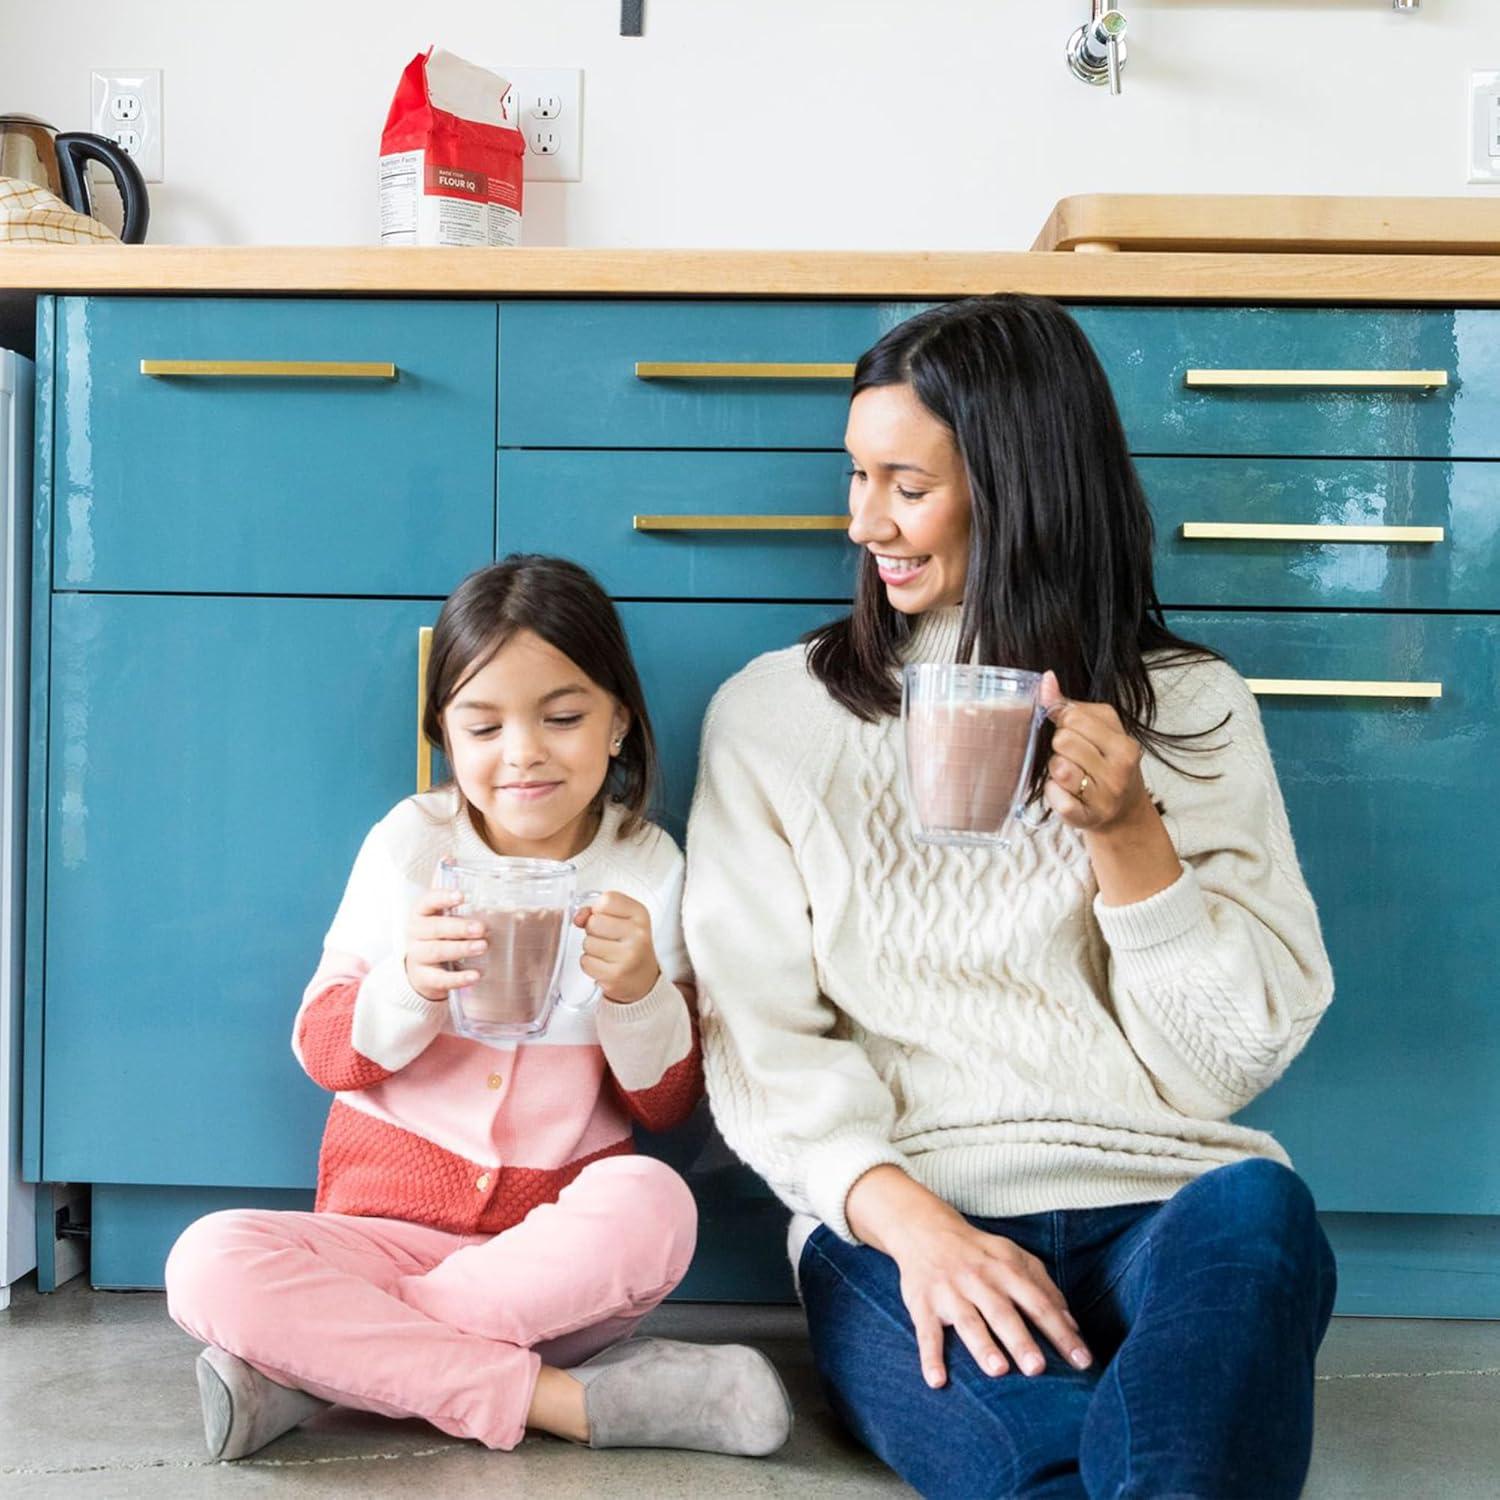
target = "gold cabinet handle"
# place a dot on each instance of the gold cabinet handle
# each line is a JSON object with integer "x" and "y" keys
{"x": 1327, "y": 380}
{"x": 424, "y": 746}
{"x": 1247, "y": 531}
{"x": 269, "y": 369}
{"x": 675, "y": 370}
{"x": 741, "y": 523}
{"x": 1328, "y": 687}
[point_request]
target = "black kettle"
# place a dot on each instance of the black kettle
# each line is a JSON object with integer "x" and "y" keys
{"x": 30, "y": 149}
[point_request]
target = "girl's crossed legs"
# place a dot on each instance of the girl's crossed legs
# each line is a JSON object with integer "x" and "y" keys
{"x": 406, "y": 1320}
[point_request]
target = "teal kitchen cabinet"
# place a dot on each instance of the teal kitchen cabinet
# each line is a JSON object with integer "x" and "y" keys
{"x": 210, "y": 550}
{"x": 625, "y": 374}
{"x": 646, "y": 524}
{"x": 1390, "y": 534}
{"x": 213, "y": 765}
{"x": 1391, "y": 1107}
{"x": 1206, "y": 380}
{"x": 757, "y": 374}
{"x": 357, "y": 461}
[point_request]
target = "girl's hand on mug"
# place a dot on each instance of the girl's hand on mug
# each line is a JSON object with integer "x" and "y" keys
{"x": 985, "y": 1288}
{"x": 1094, "y": 779}
{"x": 618, "y": 954}
{"x": 435, "y": 940}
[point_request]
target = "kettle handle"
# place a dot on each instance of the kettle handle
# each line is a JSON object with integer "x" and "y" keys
{"x": 78, "y": 147}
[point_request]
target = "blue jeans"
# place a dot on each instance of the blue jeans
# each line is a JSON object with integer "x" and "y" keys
{"x": 1203, "y": 1313}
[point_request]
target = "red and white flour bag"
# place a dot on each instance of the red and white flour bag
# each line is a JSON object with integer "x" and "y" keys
{"x": 450, "y": 170}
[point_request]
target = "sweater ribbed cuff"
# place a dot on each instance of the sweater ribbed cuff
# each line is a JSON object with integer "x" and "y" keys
{"x": 392, "y": 1022}
{"x": 1155, "y": 938}
{"x": 659, "y": 998}
{"x": 831, "y": 1168}
{"x": 645, "y": 1037}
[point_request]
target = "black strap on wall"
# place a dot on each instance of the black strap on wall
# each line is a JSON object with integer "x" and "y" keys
{"x": 631, "y": 18}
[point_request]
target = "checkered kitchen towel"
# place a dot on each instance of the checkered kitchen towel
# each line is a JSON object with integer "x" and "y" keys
{"x": 30, "y": 215}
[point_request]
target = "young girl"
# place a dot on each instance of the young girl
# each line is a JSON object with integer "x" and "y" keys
{"x": 485, "y": 1239}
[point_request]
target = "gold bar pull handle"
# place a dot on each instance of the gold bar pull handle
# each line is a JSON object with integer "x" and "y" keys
{"x": 424, "y": 745}
{"x": 1328, "y": 687}
{"x": 1316, "y": 380}
{"x": 1246, "y": 531}
{"x": 646, "y": 369}
{"x": 268, "y": 369}
{"x": 741, "y": 523}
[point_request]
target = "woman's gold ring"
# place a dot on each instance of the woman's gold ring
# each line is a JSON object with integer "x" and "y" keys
{"x": 1083, "y": 786}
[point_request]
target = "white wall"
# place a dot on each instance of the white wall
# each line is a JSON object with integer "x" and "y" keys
{"x": 869, "y": 124}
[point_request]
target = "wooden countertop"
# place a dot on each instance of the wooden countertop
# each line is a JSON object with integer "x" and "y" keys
{"x": 1472, "y": 279}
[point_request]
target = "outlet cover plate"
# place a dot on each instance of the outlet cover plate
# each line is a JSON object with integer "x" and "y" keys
{"x": 1484, "y": 126}
{"x": 528, "y": 88}
{"x": 126, "y": 107}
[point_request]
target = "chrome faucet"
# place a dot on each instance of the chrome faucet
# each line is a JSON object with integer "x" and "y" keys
{"x": 1096, "y": 51}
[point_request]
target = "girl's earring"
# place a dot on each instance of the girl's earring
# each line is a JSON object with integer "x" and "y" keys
{"x": 619, "y": 742}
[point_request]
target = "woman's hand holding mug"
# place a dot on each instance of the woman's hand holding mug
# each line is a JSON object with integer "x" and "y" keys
{"x": 1094, "y": 779}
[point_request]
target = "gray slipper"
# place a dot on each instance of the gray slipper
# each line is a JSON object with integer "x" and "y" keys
{"x": 659, "y": 1393}
{"x": 242, "y": 1410}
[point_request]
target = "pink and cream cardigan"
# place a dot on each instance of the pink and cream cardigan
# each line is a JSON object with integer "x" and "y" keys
{"x": 436, "y": 1129}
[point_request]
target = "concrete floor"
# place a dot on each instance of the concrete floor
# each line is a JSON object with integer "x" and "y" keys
{"x": 98, "y": 1402}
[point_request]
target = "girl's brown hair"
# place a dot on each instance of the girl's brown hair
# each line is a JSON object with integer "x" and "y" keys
{"x": 564, "y": 605}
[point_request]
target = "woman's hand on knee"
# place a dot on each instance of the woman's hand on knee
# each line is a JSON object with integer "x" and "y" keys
{"x": 990, "y": 1292}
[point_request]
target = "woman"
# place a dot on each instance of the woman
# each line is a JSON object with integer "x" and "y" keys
{"x": 995, "y": 1087}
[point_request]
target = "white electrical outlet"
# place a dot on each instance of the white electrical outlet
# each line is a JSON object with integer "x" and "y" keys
{"x": 1484, "y": 126}
{"x": 546, "y": 106}
{"x": 127, "y": 109}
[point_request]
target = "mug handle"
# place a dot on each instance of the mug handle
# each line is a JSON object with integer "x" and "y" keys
{"x": 1018, "y": 812}
{"x": 576, "y": 905}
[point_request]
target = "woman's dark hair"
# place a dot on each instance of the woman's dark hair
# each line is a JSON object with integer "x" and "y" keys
{"x": 564, "y": 605}
{"x": 1059, "y": 570}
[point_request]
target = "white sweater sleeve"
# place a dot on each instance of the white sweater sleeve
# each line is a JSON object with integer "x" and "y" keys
{"x": 803, "y": 1107}
{"x": 1219, "y": 979}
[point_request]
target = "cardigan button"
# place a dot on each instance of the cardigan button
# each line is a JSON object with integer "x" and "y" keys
{"x": 483, "y": 1183}
{"x": 494, "y": 1080}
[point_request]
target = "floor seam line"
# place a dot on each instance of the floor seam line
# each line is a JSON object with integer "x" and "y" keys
{"x": 1408, "y": 1374}
{"x": 212, "y": 1463}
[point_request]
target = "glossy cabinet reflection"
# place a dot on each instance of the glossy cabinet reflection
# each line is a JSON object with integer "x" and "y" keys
{"x": 231, "y": 570}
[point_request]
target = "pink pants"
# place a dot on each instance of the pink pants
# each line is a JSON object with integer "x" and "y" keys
{"x": 406, "y": 1321}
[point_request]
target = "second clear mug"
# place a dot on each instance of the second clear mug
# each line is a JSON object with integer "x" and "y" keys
{"x": 527, "y": 908}
{"x": 970, "y": 735}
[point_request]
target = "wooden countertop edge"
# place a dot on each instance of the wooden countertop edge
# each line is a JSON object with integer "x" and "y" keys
{"x": 1125, "y": 276}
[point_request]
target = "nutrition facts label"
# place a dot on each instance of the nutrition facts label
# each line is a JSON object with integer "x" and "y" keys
{"x": 400, "y": 176}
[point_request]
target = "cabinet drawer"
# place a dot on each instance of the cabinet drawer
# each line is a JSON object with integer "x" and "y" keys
{"x": 568, "y": 372}
{"x": 308, "y": 482}
{"x": 645, "y": 522}
{"x": 1152, "y": 354}
{"x": 1392, "y": 1107}
{"x": 1395, "y": 534}
{"x": 608, "y": 359}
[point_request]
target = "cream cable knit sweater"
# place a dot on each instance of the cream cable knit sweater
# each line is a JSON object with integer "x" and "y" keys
{"x": 981, "y": 1019}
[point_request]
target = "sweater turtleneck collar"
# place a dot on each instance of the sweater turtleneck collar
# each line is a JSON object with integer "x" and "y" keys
{"x": 934, "y": 635}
